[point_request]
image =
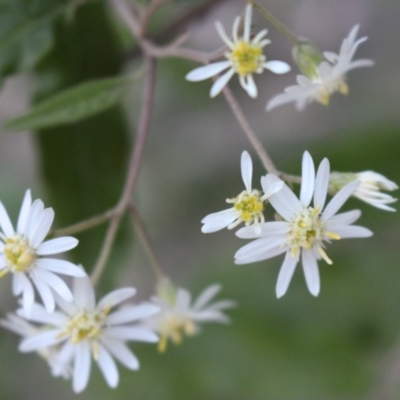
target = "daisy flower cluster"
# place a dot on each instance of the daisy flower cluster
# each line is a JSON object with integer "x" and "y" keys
{"x": 305, "y": 225}
{"x": 69, "y": 329}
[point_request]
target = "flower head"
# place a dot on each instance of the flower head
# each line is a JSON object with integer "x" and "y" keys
{"x": 83, "y": 330}
{"x": 23, "y": 328}
{"x": 248, "y": 206}
{"x": 305, "y": 228}
{"x": 23, "y": 253}
{"x": 369, "y": 190}
{"x": 178, "y": 317}
{"x": 244, "y": 57}
{"x": 330, "y": 76}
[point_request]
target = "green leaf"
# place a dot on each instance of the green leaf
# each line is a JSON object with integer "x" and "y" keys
{"x": 73, "y": 105}
{"x": 26, "y": 32}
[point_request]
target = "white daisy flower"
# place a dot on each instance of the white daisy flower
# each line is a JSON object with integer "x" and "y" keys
{"x": 178, "y": 317}
{"x": 84, "y": 330}
{"x": 304, "y": 228}
{"x": 248, "y": 206}
{"x": 330, "y": 77}
{"x": 23, "y": 253}
{"x": 244, "y": 57}
{"x": 369, "y": 190}
{"x": 24, "y": 329}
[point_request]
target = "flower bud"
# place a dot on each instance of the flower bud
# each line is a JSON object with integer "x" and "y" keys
{"x": 308, "y": 58}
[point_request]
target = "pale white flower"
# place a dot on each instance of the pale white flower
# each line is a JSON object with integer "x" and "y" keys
{"x": 369, "y": 190}
{"x": 244, "y": 57}
{"x": 248, "y": 206}
{"x": 84, "y": 330}
{"x": 179, "y": 316}
{"x": 304, "y": 228}
{"x": 24, "y": 329}
{"x": 23, "y": 252}
{"x": 331, "y": 76}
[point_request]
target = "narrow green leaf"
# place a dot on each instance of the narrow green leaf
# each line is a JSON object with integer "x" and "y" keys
{"x": 75, "y": 104}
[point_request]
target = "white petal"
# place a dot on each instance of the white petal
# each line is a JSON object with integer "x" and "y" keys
{"x": 251, "y": 87}
{"x": 40, "y": 315}
{"x": 285, "y": 202}
{"x": 122, "y": 353}
{"x": 18, "y": 283}
{"x": 223, "y": 35}
{"x": 183, "y": 298}
{"x": 285, "y": 274}
{"x": 311, "y": 273}
{"x": 345, "y": 218}
{"x": 45, "y": 339}
{"x": 28, "y": 295}
{"x": 45, "y": 293}
{"x": 129, "y": 333}
{"x": 82, "y": 364}
{"x": 55, "y": 282}
{"x": 268, "y": 253}
{"x": 84, "y": 293}
{"x": 61, "y": 361}
{"x": 246, "y": 167}
{"x": 259, "y": 36}
{"x": 247, "y": 22}
{"x": 274, "y": 188}
{"x": 321, "y": 184}
{"x": 277, "y": 67}
{"x": 235, "y": 31}
{"x": 260, "y": 246}
{"x": 37, "y": 236}
{"x": 5, "y": 222}
{"x": 307, "y": 179}
{"x": 339, "y": 199}
{"x": 60, "y": 267}
{"x": 24, "y": 213}
{"x": 108, "y": 367}
{"x": 346, "y": 232}
{"x": 221, "y": 82}
{"x": 207, "y": 71}
{"x": 273, "y": 228}
{"x": 133, "y": 313}
{"x": 206, "y": 296}
{"x": 35, "y": 213}
{"x": 55, "y": 246}
{"x": 116, "y": 297}
{"x": 219, "y": 220}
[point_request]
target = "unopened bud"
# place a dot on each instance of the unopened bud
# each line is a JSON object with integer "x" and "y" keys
{"x": 308, "y": 58}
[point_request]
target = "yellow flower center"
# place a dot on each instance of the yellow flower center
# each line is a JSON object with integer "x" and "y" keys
{"x": 323, "y": 93}
{"x": 20, "y": 256}
{"x": 308, "y": 231}
{"x": 249, "y": 205}
{"x": 246, "y": 58}
{"x": 84, "y": 325}
{"x": 174, "y": 327}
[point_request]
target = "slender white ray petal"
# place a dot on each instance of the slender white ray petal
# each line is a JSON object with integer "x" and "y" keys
{"x": 183, "y": 298}
{"x": 55, "y": 246}
{"x": 116, "y": 297}
{"x": 342, "y": 219}
{"x": 251, "y": 87}
{"x": 247, "y": 22}
{"x": 222, "y": 34}
{"x": 207, "y": 71}
{"x": 41, "y": 340}
{"x": 40, "y": 315}
{"x": 35, "y": 213}
{"x": 122, "y": 353}
{"x": 339, "y": 199}
{"x": 307, "y": 180}
{"x": 277, "y": 67}
{"x": 321, "y": 184}
{"x": 260, "y": 245}
{"x": 45, "y": 293}
{"x": 267, "y": 229}
{"x": 129, "y": 333}
{"x": 353, "y": 231}
{"x": 84, "y": 293}
{"x": 206, "y": 296}
{"x": 5, "y": 222}
{"x": 24, "y": 213}
{"x": 53, "y": 281}
{"x": 246, "y": 167}
{"x": 220, "y": 83}
{"x": 37, "y": 236}
{"x": 285, "y": 274}
{"x": 28, "y": 295}
{"x": 219, "y": 220}
{"x": 311, "y": 273}
{"x": 130, "y": 314}
{"x": 82, "y": 366}
{"x": 268, "y": 253}
{"x": 60, "y": 266}
{"x": 107, "y": 367}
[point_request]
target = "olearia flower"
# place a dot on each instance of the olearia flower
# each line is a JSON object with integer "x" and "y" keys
{"x": 179, "y": 318}
{"x": 83, "y": 330}
{"x": 23, "y": 328}
{"x": 304, "y": 228}
{"x": 369, "y": 190}
{"x": 248, "y": 206}
{"x": 23, "y": 253}
{"x": 244, "y": 57}
{"x": 330, "y": 76}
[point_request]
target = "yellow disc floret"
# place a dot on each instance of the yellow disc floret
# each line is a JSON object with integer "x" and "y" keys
{"x": 246, "y": 58}
{"x": 250, "y": 207}
{"x": 20, "y": 256}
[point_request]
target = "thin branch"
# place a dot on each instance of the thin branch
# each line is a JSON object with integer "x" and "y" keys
{"x": 146, "y": 242}
{"x": 244, "y": 123}
{"x": 133, "y": 170}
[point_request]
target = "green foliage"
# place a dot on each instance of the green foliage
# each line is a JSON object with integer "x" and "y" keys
{"x": 73, "y": 105}
{"x": 26, "y": 32}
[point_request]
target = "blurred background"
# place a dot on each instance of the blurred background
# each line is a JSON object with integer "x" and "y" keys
{"x": 339, "y": 346}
